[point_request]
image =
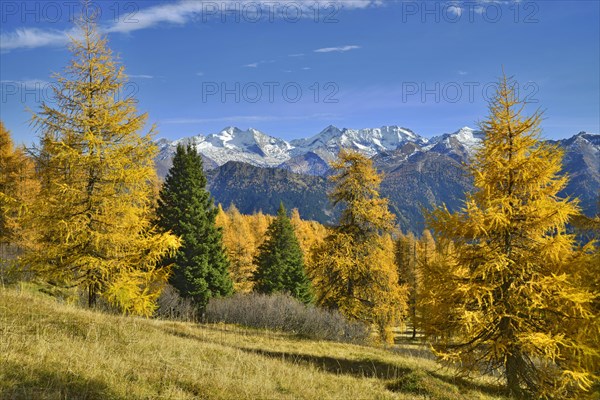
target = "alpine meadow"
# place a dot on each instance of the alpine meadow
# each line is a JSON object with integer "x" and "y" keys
{"x": 371, "y": 263}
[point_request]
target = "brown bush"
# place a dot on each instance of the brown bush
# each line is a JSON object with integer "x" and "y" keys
{"x": 284, "y": 313}
{"x": 172, "y": 306}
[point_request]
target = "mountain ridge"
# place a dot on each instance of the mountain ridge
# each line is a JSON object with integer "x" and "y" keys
{"x": 419, "y": 173}
{"x": 307, "y": 155}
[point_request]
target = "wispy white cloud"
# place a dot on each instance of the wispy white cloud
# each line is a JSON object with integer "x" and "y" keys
{"x": 463, "y": 73}
{"x": 199, "y": 73}
{"x": 177, "y": 13}
{"x": 29, "y": 38}
{"x": 141, "y": 76}
{"x": 296, "y": 55}
{"x": 340, "y": 49}
{"x": 455, "y": 9}
{"x": 257, "y": 63}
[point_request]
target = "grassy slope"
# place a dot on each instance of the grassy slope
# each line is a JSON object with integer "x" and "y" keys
{"x": 54, "y": 351}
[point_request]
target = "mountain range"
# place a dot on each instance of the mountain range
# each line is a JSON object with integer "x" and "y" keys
{"x": 256, "y": 171}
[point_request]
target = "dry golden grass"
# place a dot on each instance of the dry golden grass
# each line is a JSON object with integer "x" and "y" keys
{"x": 57, "y": 351}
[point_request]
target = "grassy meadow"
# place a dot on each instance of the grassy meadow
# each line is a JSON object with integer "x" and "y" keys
{"x": 52, "y": 350}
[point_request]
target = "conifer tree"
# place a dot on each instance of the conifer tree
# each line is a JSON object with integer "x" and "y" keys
{"x": 15, "y": 170}
{"x": 240, "y": 242}
{"x": 18, "y": 188}
{"x": 186, "y": 209}
{"x": 508, "y": 296}
{"x": 280, "y": 263}
{"x": 98, "y": 182}
{"x": 259, "y": 224}
{"x": 354, "y": 269}
{"x": 408, "y": 274}
{"x": 310, "y": 234}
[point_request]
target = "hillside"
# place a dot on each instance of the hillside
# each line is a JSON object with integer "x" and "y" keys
{"x": 254, "y": 189}
{"x": 55, "y": 351}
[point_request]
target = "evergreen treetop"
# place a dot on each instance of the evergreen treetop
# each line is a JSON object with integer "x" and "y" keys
{"x": 280, "y": 262}
{"x": 186, "y": 209}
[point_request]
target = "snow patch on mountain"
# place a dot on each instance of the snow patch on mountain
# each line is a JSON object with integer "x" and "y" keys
{"x": 370, "y": 141}
{"x": 233, "y": 144}
{"x": 463, "y": 142}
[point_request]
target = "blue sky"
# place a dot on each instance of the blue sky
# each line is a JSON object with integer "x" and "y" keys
{"x": 198, "y": 66}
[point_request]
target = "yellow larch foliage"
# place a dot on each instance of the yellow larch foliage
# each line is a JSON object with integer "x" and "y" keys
{"x": 407, "y": 255}
{"x": 310, "y": 234}
{"x": 508, "y": 295}
{"x": 240, "y": 243}
{"x": 243, "y": 235}
{"x": 18, "y": 187}
{"x": 97, "y": 175}
{"x": 354, "y": 269}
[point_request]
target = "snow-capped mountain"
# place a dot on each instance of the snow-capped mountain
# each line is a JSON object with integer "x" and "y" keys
{"x": 581, "y": 162}
{"x": 309, "y": 156}
{"x": 370, "y": 141}
{"x": 233, "y": 144}
{"x": 460, "y": 144}
{"x": 313, "y": 155}
{"x": 417, "y": 172}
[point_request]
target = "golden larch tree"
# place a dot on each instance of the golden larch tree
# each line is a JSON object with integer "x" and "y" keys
{"x": 240, "y": 243}
{"x": 405, "y": 252}
{"x": 310, "y": 234}
{"x": 18, "y": 187}
{"x": 354, "y": 268}
{"x": 508, "y": 295}
{"x": 98, "y": 185}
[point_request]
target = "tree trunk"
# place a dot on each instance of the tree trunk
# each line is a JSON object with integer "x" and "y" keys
{"x": 91, "y": 295}
{"x": 512, "y": 375}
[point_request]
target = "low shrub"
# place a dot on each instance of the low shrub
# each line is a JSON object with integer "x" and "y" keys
{"x": 172, "y": 306}
{"x": 284, "y": 313}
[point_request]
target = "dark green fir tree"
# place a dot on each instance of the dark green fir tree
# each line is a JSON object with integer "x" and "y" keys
{"x": 185, "y": 207}
{"x": 280, "y": 263}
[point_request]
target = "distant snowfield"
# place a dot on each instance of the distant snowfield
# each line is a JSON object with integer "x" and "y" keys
{"x": 314, "y": 154}
{"x": 257, "y": 148}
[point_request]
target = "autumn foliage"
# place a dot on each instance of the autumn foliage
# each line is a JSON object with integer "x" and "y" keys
{"x": 507, "y": 285}
{"x": 91, "y": 222}
{"x": 354, "y": 269}
{"x": 508, "y": 293}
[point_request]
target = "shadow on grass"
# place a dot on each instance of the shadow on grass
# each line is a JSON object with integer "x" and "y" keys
{"x": 399, "y": 379}
{"x": 464, "y": 384}
{"x": 28, "y": 382}
{"x": 359, "y": 368}
{"x": 419, "y": 382}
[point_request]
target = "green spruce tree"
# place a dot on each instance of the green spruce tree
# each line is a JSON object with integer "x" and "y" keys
{"x": 201, "y": 267}
{"x": 280, "y": 263}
